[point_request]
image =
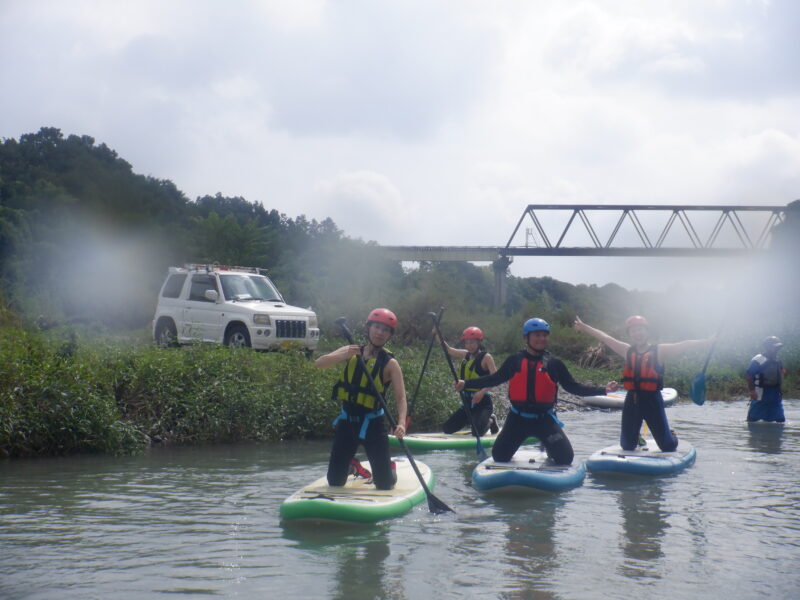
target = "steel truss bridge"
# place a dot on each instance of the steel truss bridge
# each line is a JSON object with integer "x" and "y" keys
{"x": 615, "y": 230}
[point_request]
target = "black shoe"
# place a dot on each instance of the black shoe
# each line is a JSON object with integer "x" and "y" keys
{"x": 493, "y": 424}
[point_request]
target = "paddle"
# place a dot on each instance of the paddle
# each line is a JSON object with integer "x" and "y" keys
{"x": 698, "y": 388}
{"x": 422, "y": 371}
{"x": 435, "y": 505}
{"x": 464, "y": 398}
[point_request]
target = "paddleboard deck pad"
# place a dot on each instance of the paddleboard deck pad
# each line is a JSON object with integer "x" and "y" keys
{"x": 528, "y": 471}
{"x": 358, "y": 501}
{"x": 645, "y": 460}
{"x": 617, "y": 399}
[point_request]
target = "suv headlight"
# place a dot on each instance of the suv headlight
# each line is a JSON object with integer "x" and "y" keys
{"x": 261, "y": 319}
{"x": 312, "y": 321}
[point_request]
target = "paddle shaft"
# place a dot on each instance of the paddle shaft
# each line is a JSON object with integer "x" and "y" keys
{"x": 708, "y": 358}
{"x": 422, "y": 371}
{"x": 379, "y": 396}
{"x": 465, "y": 401}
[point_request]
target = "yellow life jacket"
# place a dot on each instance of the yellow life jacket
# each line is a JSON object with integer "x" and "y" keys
{"x": 471, "y": 368}
{"x": 353, "y": 389}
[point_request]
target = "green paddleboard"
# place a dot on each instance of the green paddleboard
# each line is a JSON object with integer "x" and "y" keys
{"x": 358, "y": 501}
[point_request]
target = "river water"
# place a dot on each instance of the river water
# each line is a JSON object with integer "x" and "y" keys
{"x": 203, "y": 523}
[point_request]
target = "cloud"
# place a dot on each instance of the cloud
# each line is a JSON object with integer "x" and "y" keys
{"x": 422, "y": 122}
{"x": 367, "y": 204}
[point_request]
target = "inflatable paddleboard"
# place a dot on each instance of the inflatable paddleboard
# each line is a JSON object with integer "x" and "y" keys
{"x": 645, "y": 460}
{"x": 439, "y": 441}
{"x": 358, "y": 501}
{"x": 528, "y": 471}
{"x": 617, "y": 399}
{"x": 443, "y": 441}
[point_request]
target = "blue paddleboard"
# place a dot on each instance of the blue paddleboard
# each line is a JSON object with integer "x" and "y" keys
{"x": 645, "y": 460}
{"x": 529, "y": 471}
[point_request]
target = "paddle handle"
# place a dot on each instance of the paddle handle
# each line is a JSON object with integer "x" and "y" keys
{"x": 413, "y": 401}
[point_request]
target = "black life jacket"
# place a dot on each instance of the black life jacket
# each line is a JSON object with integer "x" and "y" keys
{"x": 771, "y": 374}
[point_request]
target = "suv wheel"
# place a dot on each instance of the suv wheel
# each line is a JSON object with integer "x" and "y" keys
{"x": 166, "y": 334}
{"x": 237, "y": 337}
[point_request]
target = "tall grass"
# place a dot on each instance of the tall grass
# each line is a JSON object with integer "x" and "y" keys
{"x": 61, "y": 394}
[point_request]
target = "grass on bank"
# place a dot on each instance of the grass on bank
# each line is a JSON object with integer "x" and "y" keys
{"x": 62, "y": 395}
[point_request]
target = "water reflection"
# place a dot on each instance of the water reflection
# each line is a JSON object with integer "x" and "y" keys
{"x": 644, "y": 523}
{"x": 530, "y": 548}
{"x": 765, "y": 437}
{"x": 359, "y": 553}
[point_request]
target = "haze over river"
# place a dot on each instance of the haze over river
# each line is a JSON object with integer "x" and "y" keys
{"x": 203, "y": 523}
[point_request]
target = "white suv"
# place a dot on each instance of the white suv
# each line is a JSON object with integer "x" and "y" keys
{"x": 235, "y": 306}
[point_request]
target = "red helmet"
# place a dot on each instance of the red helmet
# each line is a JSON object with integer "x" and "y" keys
{"x": 636, "y": 320}
{"x": 383, "y": 315}
{"x": 472, "y": 333}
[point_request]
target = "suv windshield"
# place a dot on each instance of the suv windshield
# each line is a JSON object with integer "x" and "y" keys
{"x": 237, "y": 286}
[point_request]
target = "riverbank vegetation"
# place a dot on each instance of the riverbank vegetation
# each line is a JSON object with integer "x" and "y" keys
{"x": 61, "y": 394}
{"x": 84, "y": 246}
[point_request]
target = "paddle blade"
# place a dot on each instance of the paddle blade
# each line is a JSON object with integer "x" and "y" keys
{"x": 481, "y": 451}
{"x": 436, "y": 506}
{"x": 698, "y": 389}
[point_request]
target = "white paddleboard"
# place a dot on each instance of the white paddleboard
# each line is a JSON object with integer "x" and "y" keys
{"x": 617, "y": 399}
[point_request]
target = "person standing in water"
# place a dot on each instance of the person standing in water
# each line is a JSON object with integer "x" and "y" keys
{"x": 534, "y": 376}
{"x": 643, "y": 377}
{"x": 764, "y": 379}
{"x": 361, "y": 422}
{"x": 475, "y": 362}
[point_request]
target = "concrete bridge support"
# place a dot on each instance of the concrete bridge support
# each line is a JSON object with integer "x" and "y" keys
{"x": 500, "y": 268}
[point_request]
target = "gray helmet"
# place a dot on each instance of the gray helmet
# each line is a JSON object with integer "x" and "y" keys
{"x": 771, "y": 342}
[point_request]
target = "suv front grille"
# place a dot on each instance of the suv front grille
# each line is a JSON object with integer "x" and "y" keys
{"x": 290, "y": 329}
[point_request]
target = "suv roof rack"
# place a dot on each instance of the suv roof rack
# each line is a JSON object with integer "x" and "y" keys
{"x": 212, "y": 267}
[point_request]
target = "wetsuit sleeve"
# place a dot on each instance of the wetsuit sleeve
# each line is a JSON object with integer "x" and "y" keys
{"x": 503, "y": 374}
{"x": 559, "y": 373}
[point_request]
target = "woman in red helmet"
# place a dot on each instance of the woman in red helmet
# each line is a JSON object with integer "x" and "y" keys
{"x": 360, "y": 422}
{"x": 475, "y": 362}
{"x": 643, "y": 377}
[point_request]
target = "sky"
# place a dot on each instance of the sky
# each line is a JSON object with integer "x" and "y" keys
{"x": 428, "y": 122}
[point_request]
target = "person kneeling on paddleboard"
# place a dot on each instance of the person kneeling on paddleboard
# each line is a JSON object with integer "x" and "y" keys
{"x": 534, "y": 376}
{"x": 475, "y": 362}
{"x": 361, "y": 422}
{"x": 764, "y": 379}
{"x": 643, "y": 377}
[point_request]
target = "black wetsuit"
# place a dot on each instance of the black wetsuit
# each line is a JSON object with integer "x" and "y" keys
{"x": 542, "y": 423}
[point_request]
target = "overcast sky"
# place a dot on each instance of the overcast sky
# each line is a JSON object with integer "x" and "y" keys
{"x": 424, "y": 122}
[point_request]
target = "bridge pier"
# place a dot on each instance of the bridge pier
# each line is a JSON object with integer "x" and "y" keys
{"x": 500, "y": 268}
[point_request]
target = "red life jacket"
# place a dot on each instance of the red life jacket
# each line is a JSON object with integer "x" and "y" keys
{"x": 642, "y": 371}
{"x": 532, "y": 386}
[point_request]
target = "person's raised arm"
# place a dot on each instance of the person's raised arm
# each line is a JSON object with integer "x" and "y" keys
{"x": 337, "y": 356}
{"x": 666, "y": 351}
{"x": 616, "y": 345}
{"x": 394, "y": 375}
{"x": 458, "y": 353}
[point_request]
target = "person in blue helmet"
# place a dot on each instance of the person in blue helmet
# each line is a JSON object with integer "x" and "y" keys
{"x": 534, "y": 376}
{"x": 764, "y": 379}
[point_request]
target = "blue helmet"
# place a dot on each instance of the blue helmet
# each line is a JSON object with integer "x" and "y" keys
{"x": 535, "y": 325}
